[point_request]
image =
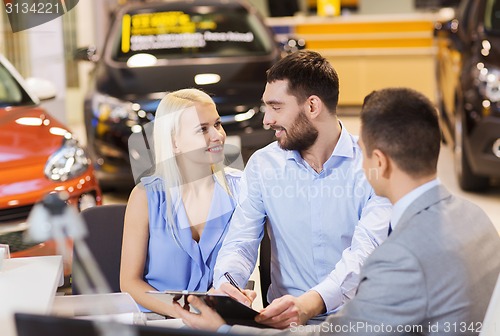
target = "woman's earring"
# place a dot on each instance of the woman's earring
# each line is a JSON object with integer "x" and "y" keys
{"x": 176, "y": 149}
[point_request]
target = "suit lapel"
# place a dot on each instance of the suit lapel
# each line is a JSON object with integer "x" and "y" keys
{"x": 424, "y": 201}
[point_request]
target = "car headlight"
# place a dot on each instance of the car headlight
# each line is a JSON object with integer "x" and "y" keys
{"x": 489, "y": 78}
{"x": 107, "y": 107}
{"x": 68, "y": 162}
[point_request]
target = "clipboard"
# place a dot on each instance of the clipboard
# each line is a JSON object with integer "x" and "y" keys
{"x": 232, "y": 311}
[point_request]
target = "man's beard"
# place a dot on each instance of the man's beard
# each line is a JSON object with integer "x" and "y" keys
{"x": 300, "y": 136}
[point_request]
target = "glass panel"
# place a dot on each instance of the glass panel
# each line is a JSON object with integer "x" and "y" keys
{"x": 10, "y": 91}
{"x": 492, "y": 16}
{"x": 197, "y": 32}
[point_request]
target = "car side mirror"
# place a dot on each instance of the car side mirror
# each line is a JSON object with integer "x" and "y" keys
{"x": 86, "y": 54}
{"x": 41, "y": 88}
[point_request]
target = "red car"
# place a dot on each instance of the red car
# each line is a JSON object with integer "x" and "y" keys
{"x": 38, "y": 155}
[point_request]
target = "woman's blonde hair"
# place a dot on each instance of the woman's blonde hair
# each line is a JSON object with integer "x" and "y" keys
{"x": 166, "y": 127}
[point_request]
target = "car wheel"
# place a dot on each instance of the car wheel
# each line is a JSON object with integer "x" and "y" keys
{"x": 467, "y": 180}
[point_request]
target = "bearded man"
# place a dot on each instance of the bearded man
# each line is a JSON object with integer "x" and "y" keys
{"x": 323, "y": 216}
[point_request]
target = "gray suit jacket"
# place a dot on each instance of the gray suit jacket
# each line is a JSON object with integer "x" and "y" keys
{"x": 436, "y": 272}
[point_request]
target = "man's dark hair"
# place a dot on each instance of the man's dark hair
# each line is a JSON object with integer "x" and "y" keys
{"x": 404, "y": 125}
{"x": 308, "y": 73}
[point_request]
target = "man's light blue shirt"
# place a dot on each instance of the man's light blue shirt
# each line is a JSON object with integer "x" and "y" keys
{"x": 405, "y": 201}
{"x": 322, "y": 225}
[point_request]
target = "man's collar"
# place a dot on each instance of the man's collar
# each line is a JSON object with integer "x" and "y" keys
{"x": 343, "y": 148}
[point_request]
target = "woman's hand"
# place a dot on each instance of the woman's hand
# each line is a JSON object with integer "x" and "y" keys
{"x": 207, "y": 319}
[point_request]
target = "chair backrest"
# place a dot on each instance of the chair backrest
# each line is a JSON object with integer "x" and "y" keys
{"x": 265, "y": 265}
{"x": 104, "y": 239}
{"x": 491, "y": 323}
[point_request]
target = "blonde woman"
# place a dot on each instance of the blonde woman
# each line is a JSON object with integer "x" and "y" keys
{"x": 177, "y": 218}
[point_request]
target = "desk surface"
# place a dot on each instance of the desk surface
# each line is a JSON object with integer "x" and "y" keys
{"x": 27, "y": 285}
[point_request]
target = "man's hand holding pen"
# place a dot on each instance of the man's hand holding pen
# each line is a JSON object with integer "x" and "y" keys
{"x": 231, "y": 288}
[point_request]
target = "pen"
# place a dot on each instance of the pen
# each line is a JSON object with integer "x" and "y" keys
{"x": 234, "y": 284}
{"x": 231, "y": 281}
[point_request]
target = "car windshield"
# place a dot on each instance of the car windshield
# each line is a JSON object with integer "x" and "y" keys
{"x": 201, "y": 31}
{"x": 492, "y": 16}
{"x": 11, "y": 93}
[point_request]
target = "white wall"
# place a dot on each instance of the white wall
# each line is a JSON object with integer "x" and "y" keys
{"x": 386, "y": 6}
{"x": 46, "y": 56}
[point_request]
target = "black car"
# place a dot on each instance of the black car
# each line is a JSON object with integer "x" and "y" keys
{"x": 468, "y": 74}
{"x": 219, "y": 46}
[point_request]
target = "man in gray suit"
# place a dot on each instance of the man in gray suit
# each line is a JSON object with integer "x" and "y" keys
{"x": 437, "y": 270}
